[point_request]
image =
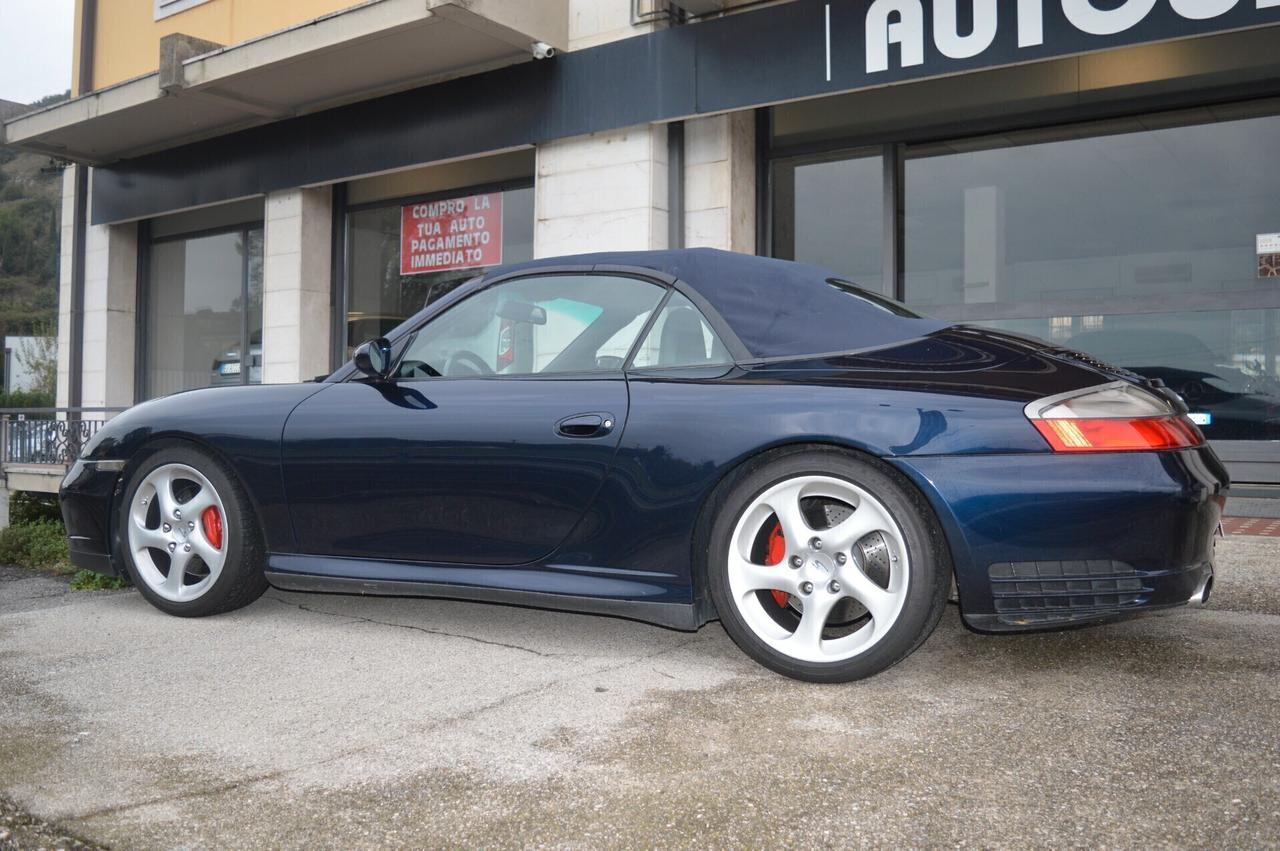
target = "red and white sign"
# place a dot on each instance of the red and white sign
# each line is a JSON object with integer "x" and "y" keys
{"x": 455, "y": 233}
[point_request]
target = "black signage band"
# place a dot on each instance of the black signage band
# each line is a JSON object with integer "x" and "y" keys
{"x": 780, "y": 53}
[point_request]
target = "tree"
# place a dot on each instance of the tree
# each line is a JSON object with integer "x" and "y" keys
{"x": 30, "y": 201}
{"x": 39, "y": 356}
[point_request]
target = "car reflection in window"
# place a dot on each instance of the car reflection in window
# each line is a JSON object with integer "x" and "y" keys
{"x": 228, "y": 365}
{"x": 1241, "y": 401}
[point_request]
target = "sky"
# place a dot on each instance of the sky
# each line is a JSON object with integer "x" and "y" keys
{"x": 35, "y": 48}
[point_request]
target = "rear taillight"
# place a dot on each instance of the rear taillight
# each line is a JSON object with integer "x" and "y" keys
{"x": 1116, "y": 417}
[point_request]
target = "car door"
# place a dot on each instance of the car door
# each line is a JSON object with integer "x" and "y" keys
{"x": 490, "y": 441}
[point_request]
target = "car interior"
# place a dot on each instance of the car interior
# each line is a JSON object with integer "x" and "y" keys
{"x": 534, "y": 327}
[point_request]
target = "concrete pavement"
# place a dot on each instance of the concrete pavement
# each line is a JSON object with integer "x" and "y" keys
{"x": 328, "y": 721}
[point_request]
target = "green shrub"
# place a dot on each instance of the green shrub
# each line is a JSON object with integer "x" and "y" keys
{"x": 26, "y": 399}
{"x": 41, "y": 544}
{"x": 87, "y": 580}
{"x": 32, "y": 507}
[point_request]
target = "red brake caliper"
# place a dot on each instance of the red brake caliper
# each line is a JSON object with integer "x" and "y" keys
{"x": 777, "y": 552}
{"x": 211, "y": 521}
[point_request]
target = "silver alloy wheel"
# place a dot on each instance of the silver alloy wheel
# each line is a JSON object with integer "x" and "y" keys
{"x": 171, "y": 550}
{"x": 821, "y": 568}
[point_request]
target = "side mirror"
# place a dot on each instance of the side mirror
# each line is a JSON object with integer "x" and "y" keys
{"x": 374, "y": 358}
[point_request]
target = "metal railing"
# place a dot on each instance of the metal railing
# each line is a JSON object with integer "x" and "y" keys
{"x": 48, "y": 435}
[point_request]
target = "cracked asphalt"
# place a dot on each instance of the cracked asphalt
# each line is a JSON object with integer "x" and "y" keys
{"x": 311, "y": 721}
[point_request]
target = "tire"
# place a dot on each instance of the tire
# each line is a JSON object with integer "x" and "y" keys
{"x": 864, "y": 554}
{"x": 155, "y": 534}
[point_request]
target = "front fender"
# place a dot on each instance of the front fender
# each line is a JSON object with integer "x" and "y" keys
{"x": 242, "y": 426}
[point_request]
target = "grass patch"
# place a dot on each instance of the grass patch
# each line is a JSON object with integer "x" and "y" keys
{"x": 87, "y": 580}
{"x": 37, "y": 540}
{"x": 39, "y": 544}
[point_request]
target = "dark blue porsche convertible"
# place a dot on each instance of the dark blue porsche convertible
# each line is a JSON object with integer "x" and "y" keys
{"x": 676, "y": 437}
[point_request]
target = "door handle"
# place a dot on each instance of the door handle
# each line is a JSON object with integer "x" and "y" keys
{"x": 585, "y": 425}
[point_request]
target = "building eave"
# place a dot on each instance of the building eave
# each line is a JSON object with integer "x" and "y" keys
{"x": 366, "y": 51}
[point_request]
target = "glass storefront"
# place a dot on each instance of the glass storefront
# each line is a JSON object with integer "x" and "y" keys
{"x": 203, "y": 310}
{"x": 383, "y": 284}
{"x": 1138, "y": 247}
{"x": 830, "y": 212}
{"x": 1133, "y": 240}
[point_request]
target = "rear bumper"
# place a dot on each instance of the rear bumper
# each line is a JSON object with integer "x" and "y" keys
{"x": 1049, "y": 540}
{"x": 1042, "y": 595}
{"x": 86, "y": 496}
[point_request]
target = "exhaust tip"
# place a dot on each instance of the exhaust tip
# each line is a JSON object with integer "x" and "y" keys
{"x": 1201, "y": 595}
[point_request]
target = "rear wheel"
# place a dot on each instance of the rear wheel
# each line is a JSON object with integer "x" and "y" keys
{"x": 825, "y": 567}
{"x": 190, "y": 541}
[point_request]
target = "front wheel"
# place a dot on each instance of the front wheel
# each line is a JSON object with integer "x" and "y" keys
{"x": 825, "y": 567}
{"x": 189, "y": 538}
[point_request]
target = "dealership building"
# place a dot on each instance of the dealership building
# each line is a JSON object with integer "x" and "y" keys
{"x": 257, "y": 187}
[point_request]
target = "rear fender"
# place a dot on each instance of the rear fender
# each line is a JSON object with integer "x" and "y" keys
{"x": 712, "y": 505}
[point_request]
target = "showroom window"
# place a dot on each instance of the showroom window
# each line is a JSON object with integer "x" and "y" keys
{"x": 408, "y": 252}
{"x": 1135, "y": 241}
{"x": 203, "y": 310}
{"x": 829, "y": 211}
{"x": 1151, "y": 242}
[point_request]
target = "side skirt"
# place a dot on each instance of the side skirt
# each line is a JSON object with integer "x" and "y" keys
{"x": 681, "y": 616}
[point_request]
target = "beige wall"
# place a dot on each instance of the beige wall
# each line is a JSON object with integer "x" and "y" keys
{"x": 127, "y": 38}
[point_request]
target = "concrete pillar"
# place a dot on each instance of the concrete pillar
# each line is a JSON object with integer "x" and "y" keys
{"x": 110, "y": 309}
{"x": 720, "y": 182}
{"x": 602, "y": 192}
{"x": 110, "y": 314}
{"x": 67, "y": 245}
{"x": 297, "y": 276}
{"x": 4, "y": 502}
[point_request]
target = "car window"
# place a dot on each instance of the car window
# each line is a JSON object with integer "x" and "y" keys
{"x": 533, "y": 326}
{"x": 681, "y": 336}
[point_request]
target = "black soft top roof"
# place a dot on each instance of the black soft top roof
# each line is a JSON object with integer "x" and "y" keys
{"x": 777, "y": 308}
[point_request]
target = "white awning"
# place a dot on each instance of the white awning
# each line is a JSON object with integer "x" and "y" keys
{"x": 369, "y": 50}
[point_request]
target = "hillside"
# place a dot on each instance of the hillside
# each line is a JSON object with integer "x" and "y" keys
{"x": 30, "y": 204}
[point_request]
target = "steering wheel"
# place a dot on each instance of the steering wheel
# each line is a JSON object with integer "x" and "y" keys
{"x": 469, "y": 361}
{"x": 416, "y": 369}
